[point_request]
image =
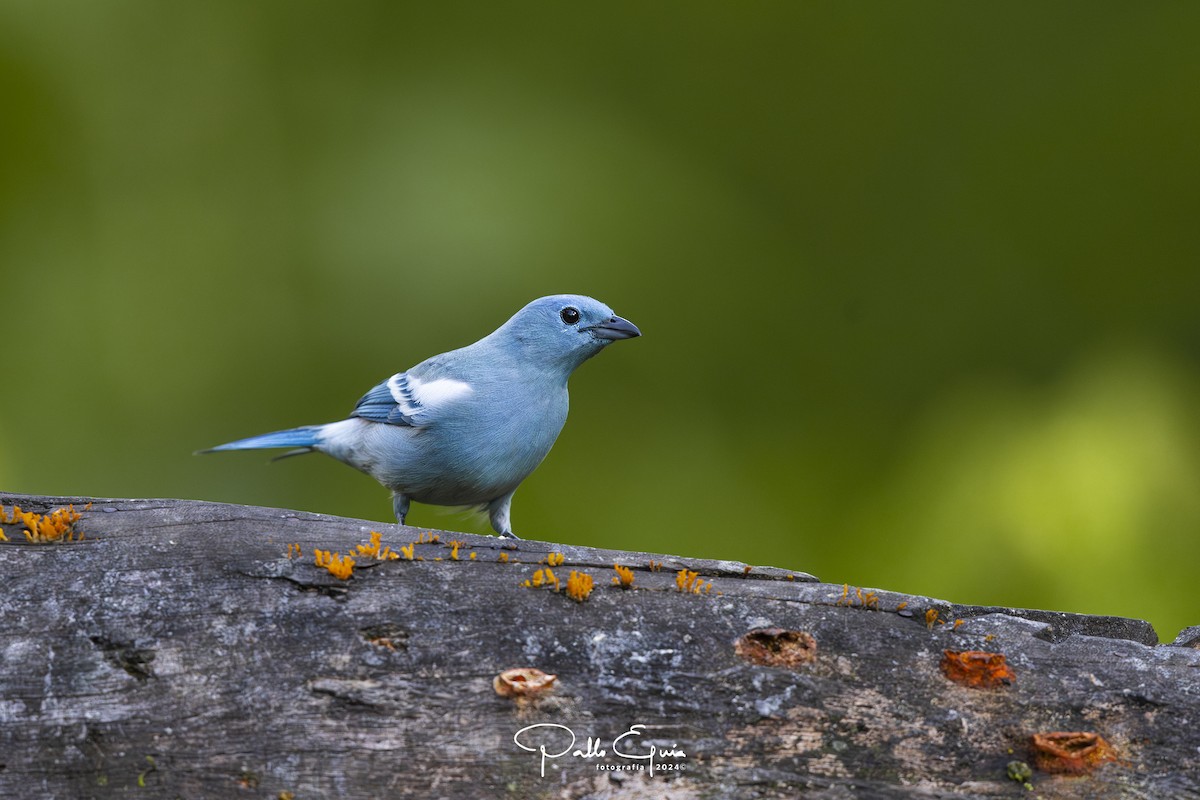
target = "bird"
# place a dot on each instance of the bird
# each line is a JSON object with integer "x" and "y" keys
{"x": 466, "y": 427}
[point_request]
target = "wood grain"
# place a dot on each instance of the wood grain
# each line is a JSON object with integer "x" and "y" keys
{"x": 177, "y": 651}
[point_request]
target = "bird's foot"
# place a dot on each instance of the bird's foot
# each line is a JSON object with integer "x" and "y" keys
{"x": 400, "y": 506}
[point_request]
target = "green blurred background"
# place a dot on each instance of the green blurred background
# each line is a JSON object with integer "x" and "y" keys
{"x": 919, "y": 284}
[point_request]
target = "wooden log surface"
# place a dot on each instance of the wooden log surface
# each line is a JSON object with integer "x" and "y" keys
{"x": 178, "y": 651}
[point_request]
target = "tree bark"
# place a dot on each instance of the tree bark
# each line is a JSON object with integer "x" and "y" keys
{"x": 181, "y": 649}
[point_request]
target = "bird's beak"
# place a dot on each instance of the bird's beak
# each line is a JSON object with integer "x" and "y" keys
{"x": 614, "y": 328}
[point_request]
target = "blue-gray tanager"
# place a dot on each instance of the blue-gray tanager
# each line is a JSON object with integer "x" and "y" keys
{"x": 466, "y": 427}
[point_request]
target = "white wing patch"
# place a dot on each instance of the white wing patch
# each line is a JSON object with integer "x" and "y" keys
{"x": 413, "y": 395}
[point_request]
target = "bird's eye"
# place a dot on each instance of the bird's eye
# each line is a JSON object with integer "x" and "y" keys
{"x": 570, "y": 315}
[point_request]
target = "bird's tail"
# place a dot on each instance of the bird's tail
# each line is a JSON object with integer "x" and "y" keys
{"x": 304, "y": 439}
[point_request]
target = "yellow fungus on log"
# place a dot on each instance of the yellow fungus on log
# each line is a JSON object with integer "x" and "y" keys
{"x": 56, "y": 526}
{"x": 579, "y": 586}
{"x": 686, "y": 581}
{"x": 339, "y": 566}
{"x": 624, "y": 577}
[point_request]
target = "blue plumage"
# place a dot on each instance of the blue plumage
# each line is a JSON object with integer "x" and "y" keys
{"x": 295, "y": 437}
{"x": 466, "y": 427}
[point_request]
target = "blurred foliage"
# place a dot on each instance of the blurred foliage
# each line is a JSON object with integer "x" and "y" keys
{"x": 919, "y": 283}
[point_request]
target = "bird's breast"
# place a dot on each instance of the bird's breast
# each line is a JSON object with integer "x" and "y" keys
{"x": 478, "y": 456}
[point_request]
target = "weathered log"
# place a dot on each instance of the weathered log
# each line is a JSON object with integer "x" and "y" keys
{"x": 182, "y": 649}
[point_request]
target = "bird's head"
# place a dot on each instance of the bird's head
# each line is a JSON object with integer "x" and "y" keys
{"x": 564, "y": 330}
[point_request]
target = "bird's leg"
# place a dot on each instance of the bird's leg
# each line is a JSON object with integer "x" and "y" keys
{"x": 498, "y": 513}
{"x": 400, "y": 506}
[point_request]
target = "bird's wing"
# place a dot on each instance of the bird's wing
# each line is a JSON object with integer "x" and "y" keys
{"x": 405, "y": 399}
